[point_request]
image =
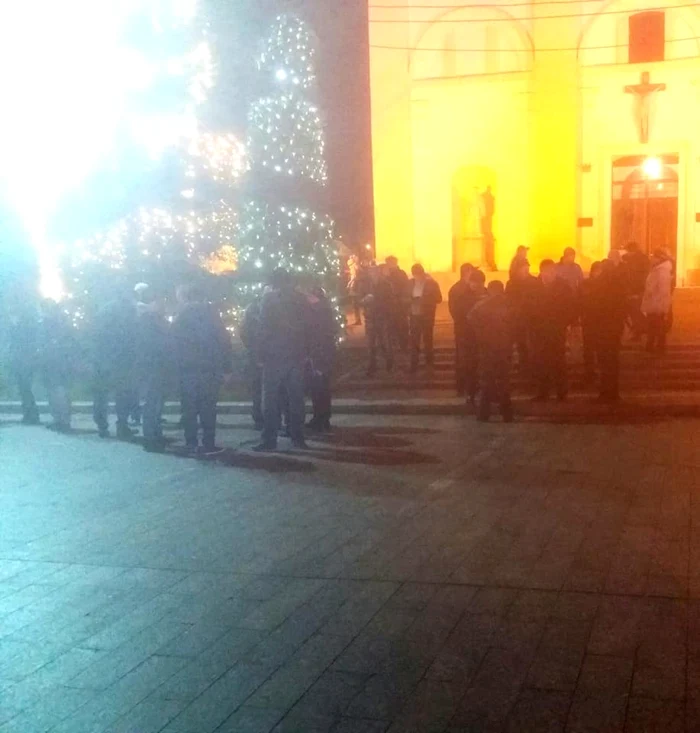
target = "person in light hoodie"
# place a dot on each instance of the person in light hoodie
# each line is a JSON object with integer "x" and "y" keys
{"x": 657, "y": 300}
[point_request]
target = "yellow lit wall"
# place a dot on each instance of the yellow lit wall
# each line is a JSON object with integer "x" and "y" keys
{"x": 554, "y": 95}
{"x": 391, "y": 137}
{"x": 456, "y": 131}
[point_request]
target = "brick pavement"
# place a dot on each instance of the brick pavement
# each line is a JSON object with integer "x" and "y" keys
{"x": 409, "y": 575}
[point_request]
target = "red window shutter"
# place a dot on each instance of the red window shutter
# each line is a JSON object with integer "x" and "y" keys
{"x": 647, "y": 37}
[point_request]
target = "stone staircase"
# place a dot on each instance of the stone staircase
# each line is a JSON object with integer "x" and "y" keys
{"x": 677, "y": 371}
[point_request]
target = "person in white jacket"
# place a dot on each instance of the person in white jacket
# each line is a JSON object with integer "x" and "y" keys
{"x": 656, "y": 302}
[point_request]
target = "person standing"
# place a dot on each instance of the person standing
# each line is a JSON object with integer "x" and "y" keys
{"x": 425, "y": 298}
{"x": 114, "y": 358}
{"x": 355, "y": 276}
{"x": 457, "y": 300}
{"x": 250, "y": 337}
{"x": 378, "y": 302}
{"x": 637, "y": 265}
{"x": 398, "y": 280}
{"x": 569, "y": 271}
{"x": 142, "y": 295}
{"x": 518, "y": 261}
{"x": 23, "y": 349}
{"x": 204, "y": 358}
{"x": 322, "y": 359}
{"x": 154, "y": 356}
{"x": 656, "y": 301}
{"x": 590, "y": 316}
{"x": 477, "y": 293}
{"x": 284, "y": 349}
{"x": 58, "y": 356}
{"x": 492, "y": 322}
{"x": 521, "y": 290}
{"x": 609, "y": 307}
{"x": 553, "y": 311}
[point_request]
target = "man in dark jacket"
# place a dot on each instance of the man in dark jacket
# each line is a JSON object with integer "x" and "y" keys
{"x": 425, "y": 296}
{"x": 589, "y": 321}
{"x": 554, "y": 309}
{"x": 521, "y": 291}
{"x": 378, "y": 303}
{"x": 569, "y": 271}
{"x": 609, "y": 298}
{"x": 457, "y": 300}
{"x": 637, "y": 265}
{"x": 204, "y": 357}
{"x": 519, "y": 259}
{"x": 284, "y": 349}
{"x": 250, "y": 336}
{"x": 23, "y": 346}
{"x": 115, "y": 346}
{"x": 155, "y": 354}
{"x": 477, "y": 293}
{"x": 492, "y": 322}
{"x": 322, "y": 358}
{"x": 398, "y": 280}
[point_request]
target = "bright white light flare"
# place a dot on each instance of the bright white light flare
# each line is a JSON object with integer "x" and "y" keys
{"x": 70, "y": 82}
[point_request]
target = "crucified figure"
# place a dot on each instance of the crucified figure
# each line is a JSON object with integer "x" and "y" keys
{"x": 643, "y": 92}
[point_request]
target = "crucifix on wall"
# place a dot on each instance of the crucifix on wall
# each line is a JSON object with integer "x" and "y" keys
{"x": 643, "y": 92}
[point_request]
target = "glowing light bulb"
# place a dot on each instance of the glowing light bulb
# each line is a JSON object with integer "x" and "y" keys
{"x": 652, "y": 167}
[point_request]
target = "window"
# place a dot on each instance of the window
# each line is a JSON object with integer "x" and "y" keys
{"x": 647, "y": 37}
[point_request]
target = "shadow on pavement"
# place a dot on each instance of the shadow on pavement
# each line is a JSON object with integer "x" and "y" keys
{"x": 274, "y": 463}
{"x": 271, "y": 462}
{"x": 371, "y": 457}
{"x": 383, "y": 430}
{"x": 366, "y": 439}
{"x": 358, "y": 445}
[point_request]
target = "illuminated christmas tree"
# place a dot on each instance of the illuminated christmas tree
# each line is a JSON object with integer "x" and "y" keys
{"x": 279, "y": 226}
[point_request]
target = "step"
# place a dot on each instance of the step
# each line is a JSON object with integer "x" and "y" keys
{"x": 632, "y": 385}
{"x": 647, "y": 366}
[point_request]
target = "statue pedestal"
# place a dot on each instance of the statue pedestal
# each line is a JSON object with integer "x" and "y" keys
{"x": 469, "y": 249}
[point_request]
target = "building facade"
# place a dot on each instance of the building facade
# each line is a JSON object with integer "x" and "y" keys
{"x": 548, "y": 124}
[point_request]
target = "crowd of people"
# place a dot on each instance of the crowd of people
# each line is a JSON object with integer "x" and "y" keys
{"x": 139, "y": 355}
{"x": 399, "y": 312}
{"x": 290, "y": 338}
{"x": 529, "y": 317}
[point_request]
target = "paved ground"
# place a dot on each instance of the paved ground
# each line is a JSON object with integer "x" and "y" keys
{"x": 408, "y": 575}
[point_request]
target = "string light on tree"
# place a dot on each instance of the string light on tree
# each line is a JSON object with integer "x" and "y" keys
{"x": 220, "y": 157}
{"x": 152, "y": 244}
{"x": 286, "y": 145}
{"x": 289, "y": 138}
{"x": 289, "y": 53}
{"x": 193, "y": 234}
{"x": 294, "y": 238}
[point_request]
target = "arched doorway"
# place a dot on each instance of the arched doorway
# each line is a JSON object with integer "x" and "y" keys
{"x": 473, "y": 216}
{"x": 645, "y": 202}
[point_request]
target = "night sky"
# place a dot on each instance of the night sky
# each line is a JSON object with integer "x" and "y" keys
{"x": 343, "y": 77}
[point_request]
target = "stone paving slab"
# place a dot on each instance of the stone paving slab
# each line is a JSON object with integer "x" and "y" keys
{"x": 407, "y": 574}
